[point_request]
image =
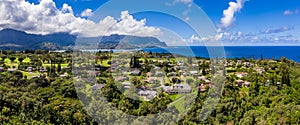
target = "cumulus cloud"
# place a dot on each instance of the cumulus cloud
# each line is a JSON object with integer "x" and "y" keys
{"x": 228, "y": 14}
{"x": 67, "y": 9}
{"x": 87, "y": 13}
{"x": 290, "y": 12}
{"x": 46, "y": 18}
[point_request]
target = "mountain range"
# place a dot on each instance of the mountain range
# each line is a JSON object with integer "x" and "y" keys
{"x": 19, "y": 40}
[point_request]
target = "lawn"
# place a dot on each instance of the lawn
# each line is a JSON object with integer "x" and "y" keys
{"x": 26, "y": 60}
{"x": 9, "y": 63}
{"x": 62, "y": 65}
{"x": 104, "y": 63}
{"x": 178, "y": 101}
{"x": 30, "y": 74}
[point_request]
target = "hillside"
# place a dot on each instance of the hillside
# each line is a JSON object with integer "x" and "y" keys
{"x": 19, "y": 40}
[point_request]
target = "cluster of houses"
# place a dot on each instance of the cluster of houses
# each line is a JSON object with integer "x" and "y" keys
{"x": 32, "y": 70}
{"x": 157, "y": 77}
{"x": 178, "y": 71}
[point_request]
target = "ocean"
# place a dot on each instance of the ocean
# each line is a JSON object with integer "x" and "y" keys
{"x": 267, "y": 52}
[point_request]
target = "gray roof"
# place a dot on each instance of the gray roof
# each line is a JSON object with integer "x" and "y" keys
{"x": 97, "y": 86}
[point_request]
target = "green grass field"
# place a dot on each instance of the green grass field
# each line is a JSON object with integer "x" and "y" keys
{"x": 62, "y": 65}
{"x": 29, "y": 75}
{"x": 178, "y": 101}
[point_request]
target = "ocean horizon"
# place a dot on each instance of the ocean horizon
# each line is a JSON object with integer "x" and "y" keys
{"x": 255, "y": 52}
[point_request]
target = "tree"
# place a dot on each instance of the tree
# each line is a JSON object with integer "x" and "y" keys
{"x": 20, "y": 59}
{"x": 58, "y": 67}
{"x": 12, "y": 59}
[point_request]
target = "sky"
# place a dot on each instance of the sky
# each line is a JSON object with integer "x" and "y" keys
{"x": 236, "y": 22}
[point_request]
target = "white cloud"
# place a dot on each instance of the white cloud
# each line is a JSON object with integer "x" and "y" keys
{"x": 228, "y": 14}
{"x": 187, "y": 19}
{"x": 187, "y": 3}
{"x": 290, "y": 12}
{"x": 184, "y": 1}
{"x": 87, "y": 13}
{"x": 46, "y": 18}
{"x": 196, "y": 39}
{"x": 67, "y": 9}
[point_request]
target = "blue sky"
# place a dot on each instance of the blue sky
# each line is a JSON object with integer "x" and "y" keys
{"x": 255, "y": 22}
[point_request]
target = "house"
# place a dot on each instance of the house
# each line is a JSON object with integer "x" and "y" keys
{"x": 177, "y": 67}
{"x": 202, "y": 78}
{"x": 181, "y": 72}
{"x": 203, "y": 87}
{"x": 159, "y": 73}
{"x": 194, "y": 65}
{"x": 97, "y": 86}
{"x": 63, "y": 75}
{"x": 121, "y": 78}
{"x": 172, "y": 74}
{"x": 153, "y": 80}
{"x": 160, "y": 61}
{"x": 135, "y": 72}
{"x": 126, "y": 85}
{"x": 178, "y": 89}
{"x": 147, "y": 94}
{"x": 259, "y": 70}
{"x": 246, "y": 83}
{"x": 242, "y": 83}
{"x": 42, "y": 70}
{"x": 239, "y": 62}
{"x": 241, "y": 74}
{"x": 193, "y": 72}
{"x": 29, "y": 69}
{"x": 148, "y": 74}
{"x": 156, "y": 68}
{"x": 12, "y": 69}
{"x": 248, "y": 64}
{"x": 239, "y": 82}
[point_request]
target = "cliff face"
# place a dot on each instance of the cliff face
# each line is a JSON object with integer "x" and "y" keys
{"x": 121, "y": 42}
{"x": 130, "y": 42}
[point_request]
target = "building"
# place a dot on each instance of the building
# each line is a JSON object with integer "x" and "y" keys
{"x": 12, "y": 69}
{"x": 159, "y": 73}
{"x": 126, "y": 85}
{"x": 29, "y": 69}
{"x": 242, "y": 83}
{"x": 202, "y": 88}
{"x": 241, "y": 74}
{"x": 135, "y": 72}
{"x": 178, "y": 89}
{"x": 97, "y": 87}
{"x": 172, "y": 74}
{"x": 121, "y": 78}
{"x": 147, "y": 94}
{"x": 193, "y": 72}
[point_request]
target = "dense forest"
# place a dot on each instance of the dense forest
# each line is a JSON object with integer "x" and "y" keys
{"x": 52, "y": 98}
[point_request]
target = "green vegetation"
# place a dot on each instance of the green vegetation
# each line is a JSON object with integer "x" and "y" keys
{"x": 36, "y": 87}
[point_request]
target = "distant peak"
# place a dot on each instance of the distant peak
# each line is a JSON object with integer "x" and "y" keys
{"x": 9, "y": 29}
